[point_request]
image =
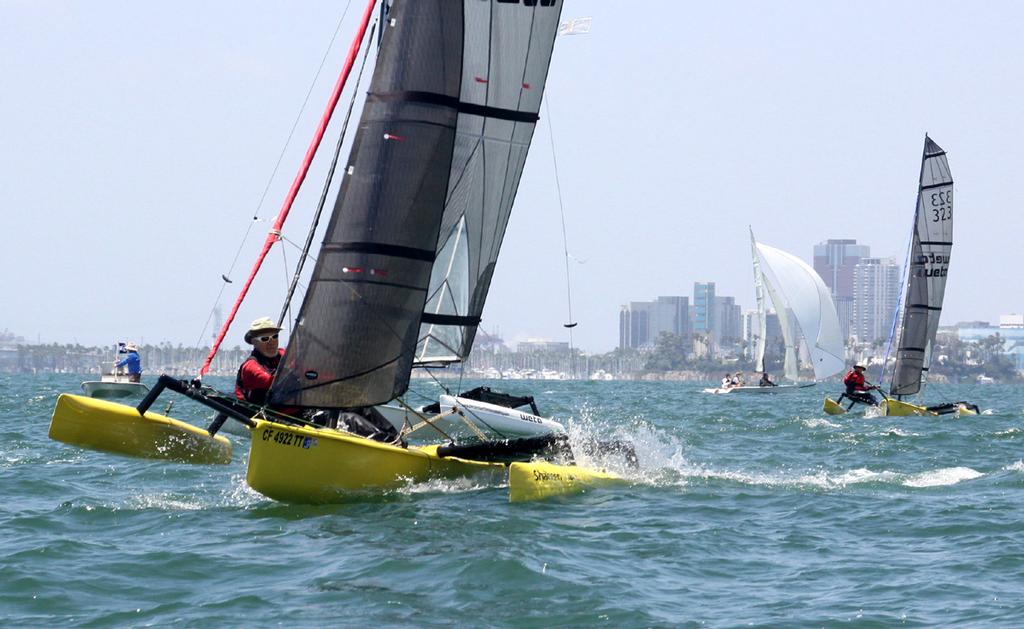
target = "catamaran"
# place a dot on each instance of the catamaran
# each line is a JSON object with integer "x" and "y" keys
{"x": 807, "y": 318}
{"x": 916, "y": 322}
{"x": 405, "y": 263}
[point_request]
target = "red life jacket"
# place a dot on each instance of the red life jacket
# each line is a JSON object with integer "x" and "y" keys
{"x": 854, "y": 381}
{"x": 262, "y": 368}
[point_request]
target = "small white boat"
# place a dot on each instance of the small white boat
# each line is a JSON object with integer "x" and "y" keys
{"x": 111, "y": 386}
{"x": 781, "y": 388}
{"x": 453, "y": 415}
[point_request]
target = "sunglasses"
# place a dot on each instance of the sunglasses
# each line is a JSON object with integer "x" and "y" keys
{"x": 264, "y": 339}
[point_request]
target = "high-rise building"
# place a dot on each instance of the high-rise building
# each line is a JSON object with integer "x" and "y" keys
{"x": 835, "y": 260}
{"x": 704, "y": 308}
{"x": 635, "y": 324}
{"x": 729, "y": 326}
{"x": 876, "y": 286}
{"x": 642, "y": 322}
{"x": 672, "y": 315}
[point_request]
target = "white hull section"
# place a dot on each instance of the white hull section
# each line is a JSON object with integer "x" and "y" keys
{"x": 108, "y": 390}
{"x": 782, "y": 388}
{"x": 491, "y": 419}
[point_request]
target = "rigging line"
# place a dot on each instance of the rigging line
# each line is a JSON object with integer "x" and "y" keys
{"x": 273, "y": 174}
{"x": 904, "y": 280}
{"x": 480, "y": 419}
{"x": 300, "y": 176}
{"x": 298, "y": 117}
{"x": 413, "y": 392}
{"x": 565, "y": 240}
{"x": 423, "y": 420}
{"x": 284, "y": 263}
{"x": 437, "y": 382}
{"x": 327, "y": 183}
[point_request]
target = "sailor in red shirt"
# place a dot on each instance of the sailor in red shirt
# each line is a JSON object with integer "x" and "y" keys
{"x": 857, "y": 388}
{"x": 257, "y": 372}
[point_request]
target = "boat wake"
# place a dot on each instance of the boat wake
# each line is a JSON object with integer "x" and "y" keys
{"x": 450, "y": 486}
{"x": 1016, "y": 467}
{"x": 819, "y": 422}
{"x": 663, "y": 463}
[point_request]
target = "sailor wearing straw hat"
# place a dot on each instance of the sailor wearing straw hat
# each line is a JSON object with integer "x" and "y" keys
{"x": 257, "y": 372}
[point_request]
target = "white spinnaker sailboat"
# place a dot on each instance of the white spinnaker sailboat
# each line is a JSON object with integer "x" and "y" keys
{"x": 807, "y": 318}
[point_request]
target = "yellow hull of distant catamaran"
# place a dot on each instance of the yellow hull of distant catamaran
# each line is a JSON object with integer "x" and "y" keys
{"x": 300, "y": 464}
{"x": 101, "y": 425}
{"x": 896, "y": 408}
{"x": 833, "y": 408}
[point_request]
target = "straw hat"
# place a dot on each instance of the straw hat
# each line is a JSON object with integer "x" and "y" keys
{"x": 263, "y": 324}
{"x": 131, "y": 347}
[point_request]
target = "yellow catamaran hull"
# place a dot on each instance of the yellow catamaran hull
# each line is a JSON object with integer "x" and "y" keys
{"x": 832, "y": 407}
{"x": 109, "y": 427}
{"x": 537, "y": 480}
{"x": 301, "y": 464}
{"x": 895, "y": 408}
{"x": 320, "y": 465}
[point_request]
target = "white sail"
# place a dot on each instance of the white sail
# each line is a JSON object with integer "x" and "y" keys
{"x": 798, "y": 292}
{"x": 762, "y": 314}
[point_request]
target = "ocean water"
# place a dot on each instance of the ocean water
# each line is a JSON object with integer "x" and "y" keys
{"x": 755, "y": 511}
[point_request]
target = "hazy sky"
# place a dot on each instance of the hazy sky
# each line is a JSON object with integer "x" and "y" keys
{"x": 137, "y": 138}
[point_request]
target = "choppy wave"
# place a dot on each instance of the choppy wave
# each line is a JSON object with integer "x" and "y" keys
{"x": 734, "y": 499}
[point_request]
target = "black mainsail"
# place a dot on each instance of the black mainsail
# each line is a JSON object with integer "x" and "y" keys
{"x": 415, "y": 172}
{"x": 927, "y": 268}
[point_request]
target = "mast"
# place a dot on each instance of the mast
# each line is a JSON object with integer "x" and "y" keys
{"x": 762, "y": 313}
{"x": 927, "y": 269}
{"x": 275, "y": 231}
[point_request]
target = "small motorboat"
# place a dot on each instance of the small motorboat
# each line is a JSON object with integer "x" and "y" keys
{"x": 113, "y": 386}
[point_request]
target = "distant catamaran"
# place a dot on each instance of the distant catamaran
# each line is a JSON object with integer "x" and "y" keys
{"x": 916, "y": 323}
